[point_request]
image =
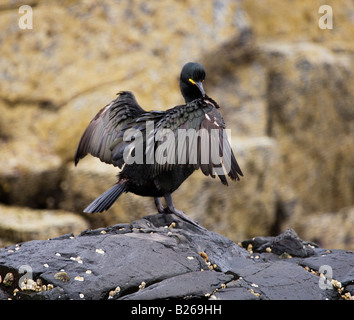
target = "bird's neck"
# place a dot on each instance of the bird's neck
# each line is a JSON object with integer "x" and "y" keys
{"x": 190, "y": 92}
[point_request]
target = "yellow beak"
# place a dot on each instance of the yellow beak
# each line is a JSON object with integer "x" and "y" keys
{"x": 199, "y": 85}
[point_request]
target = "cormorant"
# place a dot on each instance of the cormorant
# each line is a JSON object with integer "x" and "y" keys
{"x": 155, "y": 149}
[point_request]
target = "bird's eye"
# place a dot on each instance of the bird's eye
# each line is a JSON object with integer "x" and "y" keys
{"x": 191, "y": 81}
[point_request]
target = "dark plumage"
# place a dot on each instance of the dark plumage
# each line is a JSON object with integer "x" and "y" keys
{"x": 165, "y": 153}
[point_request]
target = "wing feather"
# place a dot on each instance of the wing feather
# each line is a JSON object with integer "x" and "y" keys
{"x": 105, "y": 127}
{"x": 188, "y": 135}
{"x": 207, "y": 149}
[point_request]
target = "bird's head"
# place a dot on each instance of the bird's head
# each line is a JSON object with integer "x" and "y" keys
{"x": 192, "y": 76}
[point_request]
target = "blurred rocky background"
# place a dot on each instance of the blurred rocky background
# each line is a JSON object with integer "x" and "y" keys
{"x": 285, "y": 87}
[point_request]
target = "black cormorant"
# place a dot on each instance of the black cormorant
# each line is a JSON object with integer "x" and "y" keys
{"x": 155, "y": 149}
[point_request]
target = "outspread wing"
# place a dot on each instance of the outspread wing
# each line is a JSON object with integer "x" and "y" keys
{"x": 105, "y": 127}
{"x": 130, "y": 145}
{"x": 195, "y": 135}
{"x": 187, "y": 135}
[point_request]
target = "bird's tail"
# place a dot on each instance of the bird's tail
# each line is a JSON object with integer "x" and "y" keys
{"x": 106, "y": 199}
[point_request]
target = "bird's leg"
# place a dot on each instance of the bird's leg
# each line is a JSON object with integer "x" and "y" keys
{"x": 160, "y": 208}
{"x": 171, "y": 209}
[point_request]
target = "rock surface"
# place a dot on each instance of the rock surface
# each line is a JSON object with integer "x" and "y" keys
{"x": 284, "y": 86}
{"x": 163, "y": 257}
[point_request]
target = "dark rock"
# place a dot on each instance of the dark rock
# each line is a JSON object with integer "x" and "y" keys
{"x": 238, "y": 290}
{"x": 287, "y": 241}
{"x": 198, "y": 284}
{"x": 163, "y": 257}
{"x": 284, "y": 280}
{"x": 350, "y": 289}
{"x": 339, "y": 264}
{"x": 56, "y": 293}
{"x": 4, "y": 295}
{"x": 124, "y": 256}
